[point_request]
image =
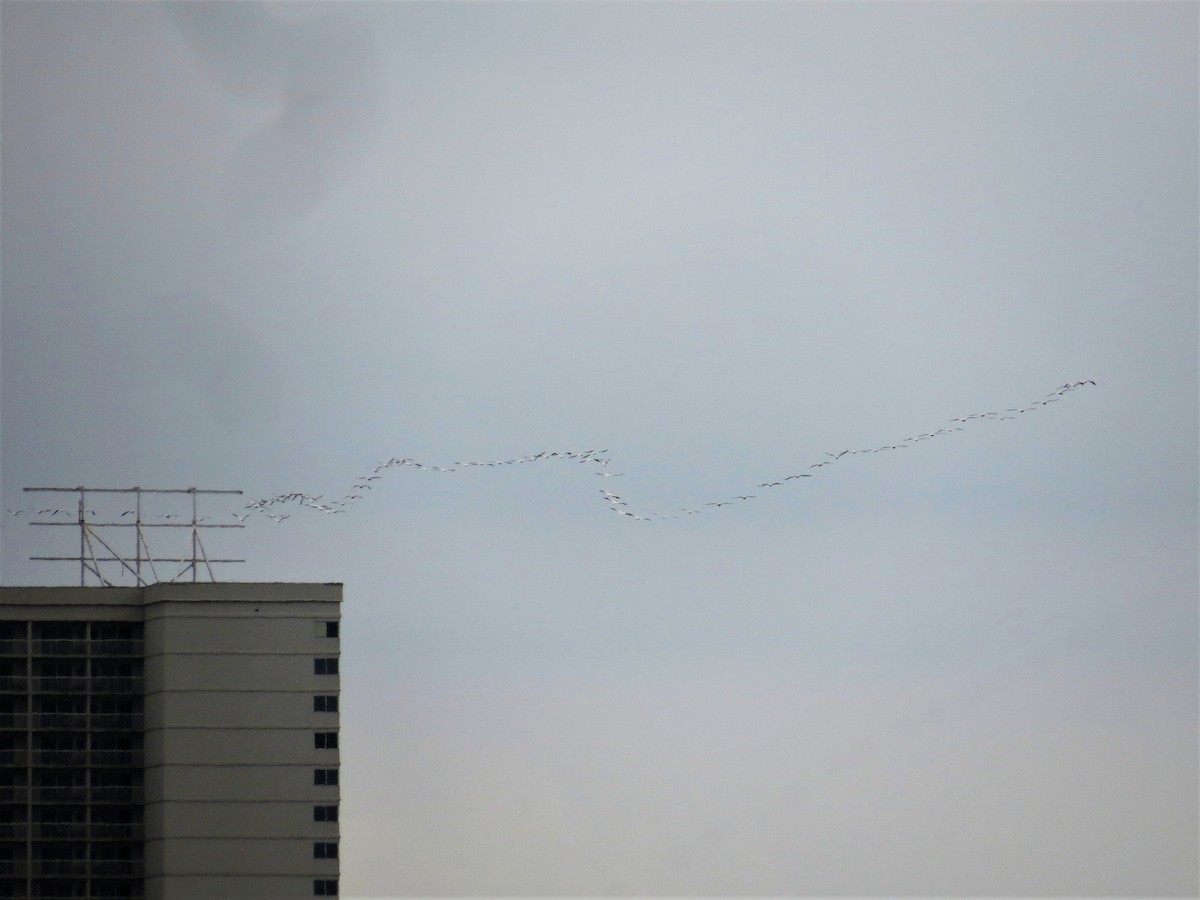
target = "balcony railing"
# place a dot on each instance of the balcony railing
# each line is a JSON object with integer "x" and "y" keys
{"x": 125, "y": 831}
{"x": 108, "y": 647}
{"x": 11, "y": 794}
{"x": 60, "y": 831}
{"x": 117, "y": 794}
{"x": 125, "y": 759}
{"x": 14, "y": 684}
{"x": 60, "y": 684}
{"x": 117, "y": 684}
{"x": 126, "y": 868}
{"x": 60, "y": 794}
{"x": 60, "y": 758}
{"x": 60, "y": 868}
{"x": 13, "y": 831}
{"x": 71, "y": 721}
{"x": 59, "y": 647}
{"x": 82, "y": 684}
{"x": 117, "y": 647}
{"x": 14, "y": 758}
{"x": 116, "y": 722}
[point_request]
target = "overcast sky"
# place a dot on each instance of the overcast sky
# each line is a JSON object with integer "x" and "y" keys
{"x": 269, "y": 247}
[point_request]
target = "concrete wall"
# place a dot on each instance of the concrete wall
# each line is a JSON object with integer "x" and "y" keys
{"x": 186, "y": 746}
{"x": 247, "y": 784}
{"x": 243, "y": 857}
{"x": 267, "y": 710}
{"x": 231, "y": 887}
{"x": 229, "y": 740}
{"x": 190, "y": 630}
{"x": 237, "y": 821}
{"x": 217, "y": 671}
{"x": 72, "y": 604}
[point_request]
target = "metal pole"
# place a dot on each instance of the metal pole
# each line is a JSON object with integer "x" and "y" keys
{"x": 82, "y": 538}
{"x": 195, "y": 536}
{"x": 90, "y": 562}
{"x": 137, "y": 531}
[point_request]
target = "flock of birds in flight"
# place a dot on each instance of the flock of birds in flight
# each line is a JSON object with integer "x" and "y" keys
{"x": 597, "y": 458}
{"x": 272, "y": 507}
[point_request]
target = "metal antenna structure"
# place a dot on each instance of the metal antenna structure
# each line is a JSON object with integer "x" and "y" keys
{"x": 93, "y": 544}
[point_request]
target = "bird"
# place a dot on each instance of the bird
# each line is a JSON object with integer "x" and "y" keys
{"x": 594, "y": 456}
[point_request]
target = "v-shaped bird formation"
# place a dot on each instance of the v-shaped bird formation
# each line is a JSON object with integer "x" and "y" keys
{"x": 598, "y": 461}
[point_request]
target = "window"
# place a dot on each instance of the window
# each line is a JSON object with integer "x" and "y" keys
{"x": 116, "y": 889}
{"x": 62, "y": 668}
{"x": 59, "y": 741}
{"x": 59, "y": 815}
{"x": 116, "y": 631}
{"x": 59, "y": 779}
{"x": 60, "y": 631}
{"x": 115, "y": 778}
{"x": 117, "y": 668}
{"x": 325, "y": 703}
{"x": 325, "y": 740}
{"x": 325, "y": 776}
{"x": 324, "y": 850}
{"x": 113, "y": 706}
{"x": 325, "y": 814}
{"x": 325, "y": 887}
{"x": 115, "y": 852}
{"x": 61, "y": 706}
{"x": 331, "y": 629}
{"x": 59, "y": 888}
{"x": 323, "y": 665}
{"x": 116, "y": 815}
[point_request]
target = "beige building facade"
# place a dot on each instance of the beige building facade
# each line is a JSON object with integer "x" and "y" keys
{"x": 170, "y": 742}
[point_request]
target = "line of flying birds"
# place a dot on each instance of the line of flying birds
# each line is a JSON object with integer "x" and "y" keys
{"x": 597, "y": 458}
{"x": 600, "y": 461}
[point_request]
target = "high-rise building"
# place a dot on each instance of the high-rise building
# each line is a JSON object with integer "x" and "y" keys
{"x": 177, "y": 741}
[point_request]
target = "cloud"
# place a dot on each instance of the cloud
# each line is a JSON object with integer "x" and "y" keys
{"x": 320, "y": 81}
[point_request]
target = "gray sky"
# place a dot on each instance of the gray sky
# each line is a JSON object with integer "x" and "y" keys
{"x": 269, "y": 247}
